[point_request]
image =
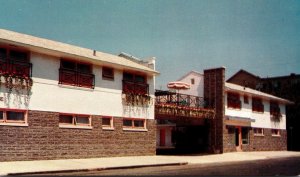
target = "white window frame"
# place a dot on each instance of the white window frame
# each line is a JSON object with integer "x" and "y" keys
{"x": 74, "y": 124}
{"x": 110, "y": 126}
{"x": 277, "y": 134}
{"x": 108, "y": 77}
{"x": 4, "y": 121}
{"x": 260, "y": 133}
{"x": 134, "y": 128}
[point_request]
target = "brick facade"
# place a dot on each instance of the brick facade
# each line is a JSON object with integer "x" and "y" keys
{"x": 222, "y": 137}
{"x": 44, "y": 140}
{"x": 256, "y": 143}
{"x": 214, "y": 86}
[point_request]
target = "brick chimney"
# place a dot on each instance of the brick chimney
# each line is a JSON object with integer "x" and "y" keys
{"x": 214, "y": 86}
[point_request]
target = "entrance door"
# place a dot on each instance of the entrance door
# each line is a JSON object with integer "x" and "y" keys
{"x": 162, "y": 137}
{"x": 238, "y": 138}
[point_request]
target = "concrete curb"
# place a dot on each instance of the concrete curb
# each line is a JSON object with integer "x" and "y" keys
{"x": 94, "y": 169}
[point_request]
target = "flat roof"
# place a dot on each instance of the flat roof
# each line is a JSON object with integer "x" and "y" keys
{"x": 60, "y": 49}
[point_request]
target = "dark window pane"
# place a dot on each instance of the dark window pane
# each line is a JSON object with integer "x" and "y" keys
{"x": 84, "y": 68}
{"x": 68, "y": 65}
{"x": 106, "y": 121}
{"x": 193, "y": 81}
{"x": 82, "y": 120}
{"x": 140, "y": 79}
{"x": 128, "y": 77}
{"x": 127, "y": 123}
{"x": 15, "y": 116}
{"x": 18, "y": 56}
{"x": 66, "y": 119}
{"x": 108, "y": 73}
{"x": 1, "y": 115}
{"x": 138, "y": 123}
{"x": 2, "y": 54}
{"x": 245, "y": 136}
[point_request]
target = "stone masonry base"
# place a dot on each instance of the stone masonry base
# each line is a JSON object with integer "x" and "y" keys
{"x": 267, "y": 142}
{"x": 43, "y": 139}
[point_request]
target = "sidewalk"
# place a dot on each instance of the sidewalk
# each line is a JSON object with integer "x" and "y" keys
{"x": 68, "y": 165}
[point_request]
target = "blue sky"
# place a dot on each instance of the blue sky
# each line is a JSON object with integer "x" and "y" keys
{"x": 260, "y": 36}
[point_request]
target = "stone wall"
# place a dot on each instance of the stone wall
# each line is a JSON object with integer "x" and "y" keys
{"x": 43, "y": 140}
{"x": 256, "y": 143}
{"x": 214, "y": 85}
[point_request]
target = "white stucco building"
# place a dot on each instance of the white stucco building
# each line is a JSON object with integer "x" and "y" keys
{"x": 81, "y": 89}
{"x": 255, "y": 117}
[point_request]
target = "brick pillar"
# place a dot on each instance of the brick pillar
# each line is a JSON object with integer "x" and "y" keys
{"x": 214, "y": 84}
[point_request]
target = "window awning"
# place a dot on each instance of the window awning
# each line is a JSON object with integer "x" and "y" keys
{"x": 238, "y": 121}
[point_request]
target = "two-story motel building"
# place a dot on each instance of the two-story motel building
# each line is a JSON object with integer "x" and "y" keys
{"x": 62, "y": 101}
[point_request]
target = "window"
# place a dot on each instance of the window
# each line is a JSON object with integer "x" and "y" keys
{"x": 192, "y": 81}
{"x": 107, "y": 73}
{"x": 246, "y": 99}
{"x": 76, "y": 74}
{"x": 274, "y": 108}
{"x": 245, "y": 136}
{"x": 15, "y": 62}
{"x": 72, "y": 120}
{"x": 134, "y": 77}
{"x": 257, "y": 105}
{"x": 233, "y": 100}
{"x": 275, "y": 132}
{"x": 258, "y": 131}
{"x": 107, "y": 123}
{"x": 135, "y": 84}
{"x": 139, "y": 124}
{"x": 13, "y": 116}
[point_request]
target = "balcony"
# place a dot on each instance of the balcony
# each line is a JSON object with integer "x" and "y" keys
{"x": 21, "y": 69}
{"x": 135, "y": 88}
{"x": 75, "y": 78}
{"x": 175, "y": 105}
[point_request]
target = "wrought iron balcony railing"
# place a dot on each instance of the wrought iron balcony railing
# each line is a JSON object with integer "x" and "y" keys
{"x": 16, "y": 68}
{"x": 135, "y": 88}
{"x": 181, "y": 105}
{"x": 75, "y": 78}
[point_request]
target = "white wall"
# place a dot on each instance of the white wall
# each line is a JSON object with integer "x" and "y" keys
{"x": 197, "y": 88}
{"x": 262, "y": 120}
{"x": 47, "y": 95}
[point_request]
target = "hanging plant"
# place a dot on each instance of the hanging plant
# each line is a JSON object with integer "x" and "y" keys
{"x": 9, "y": 83}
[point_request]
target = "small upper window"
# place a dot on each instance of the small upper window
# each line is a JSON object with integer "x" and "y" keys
{"x": 192, "y": 81}
{"x": 107, "y": 73}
